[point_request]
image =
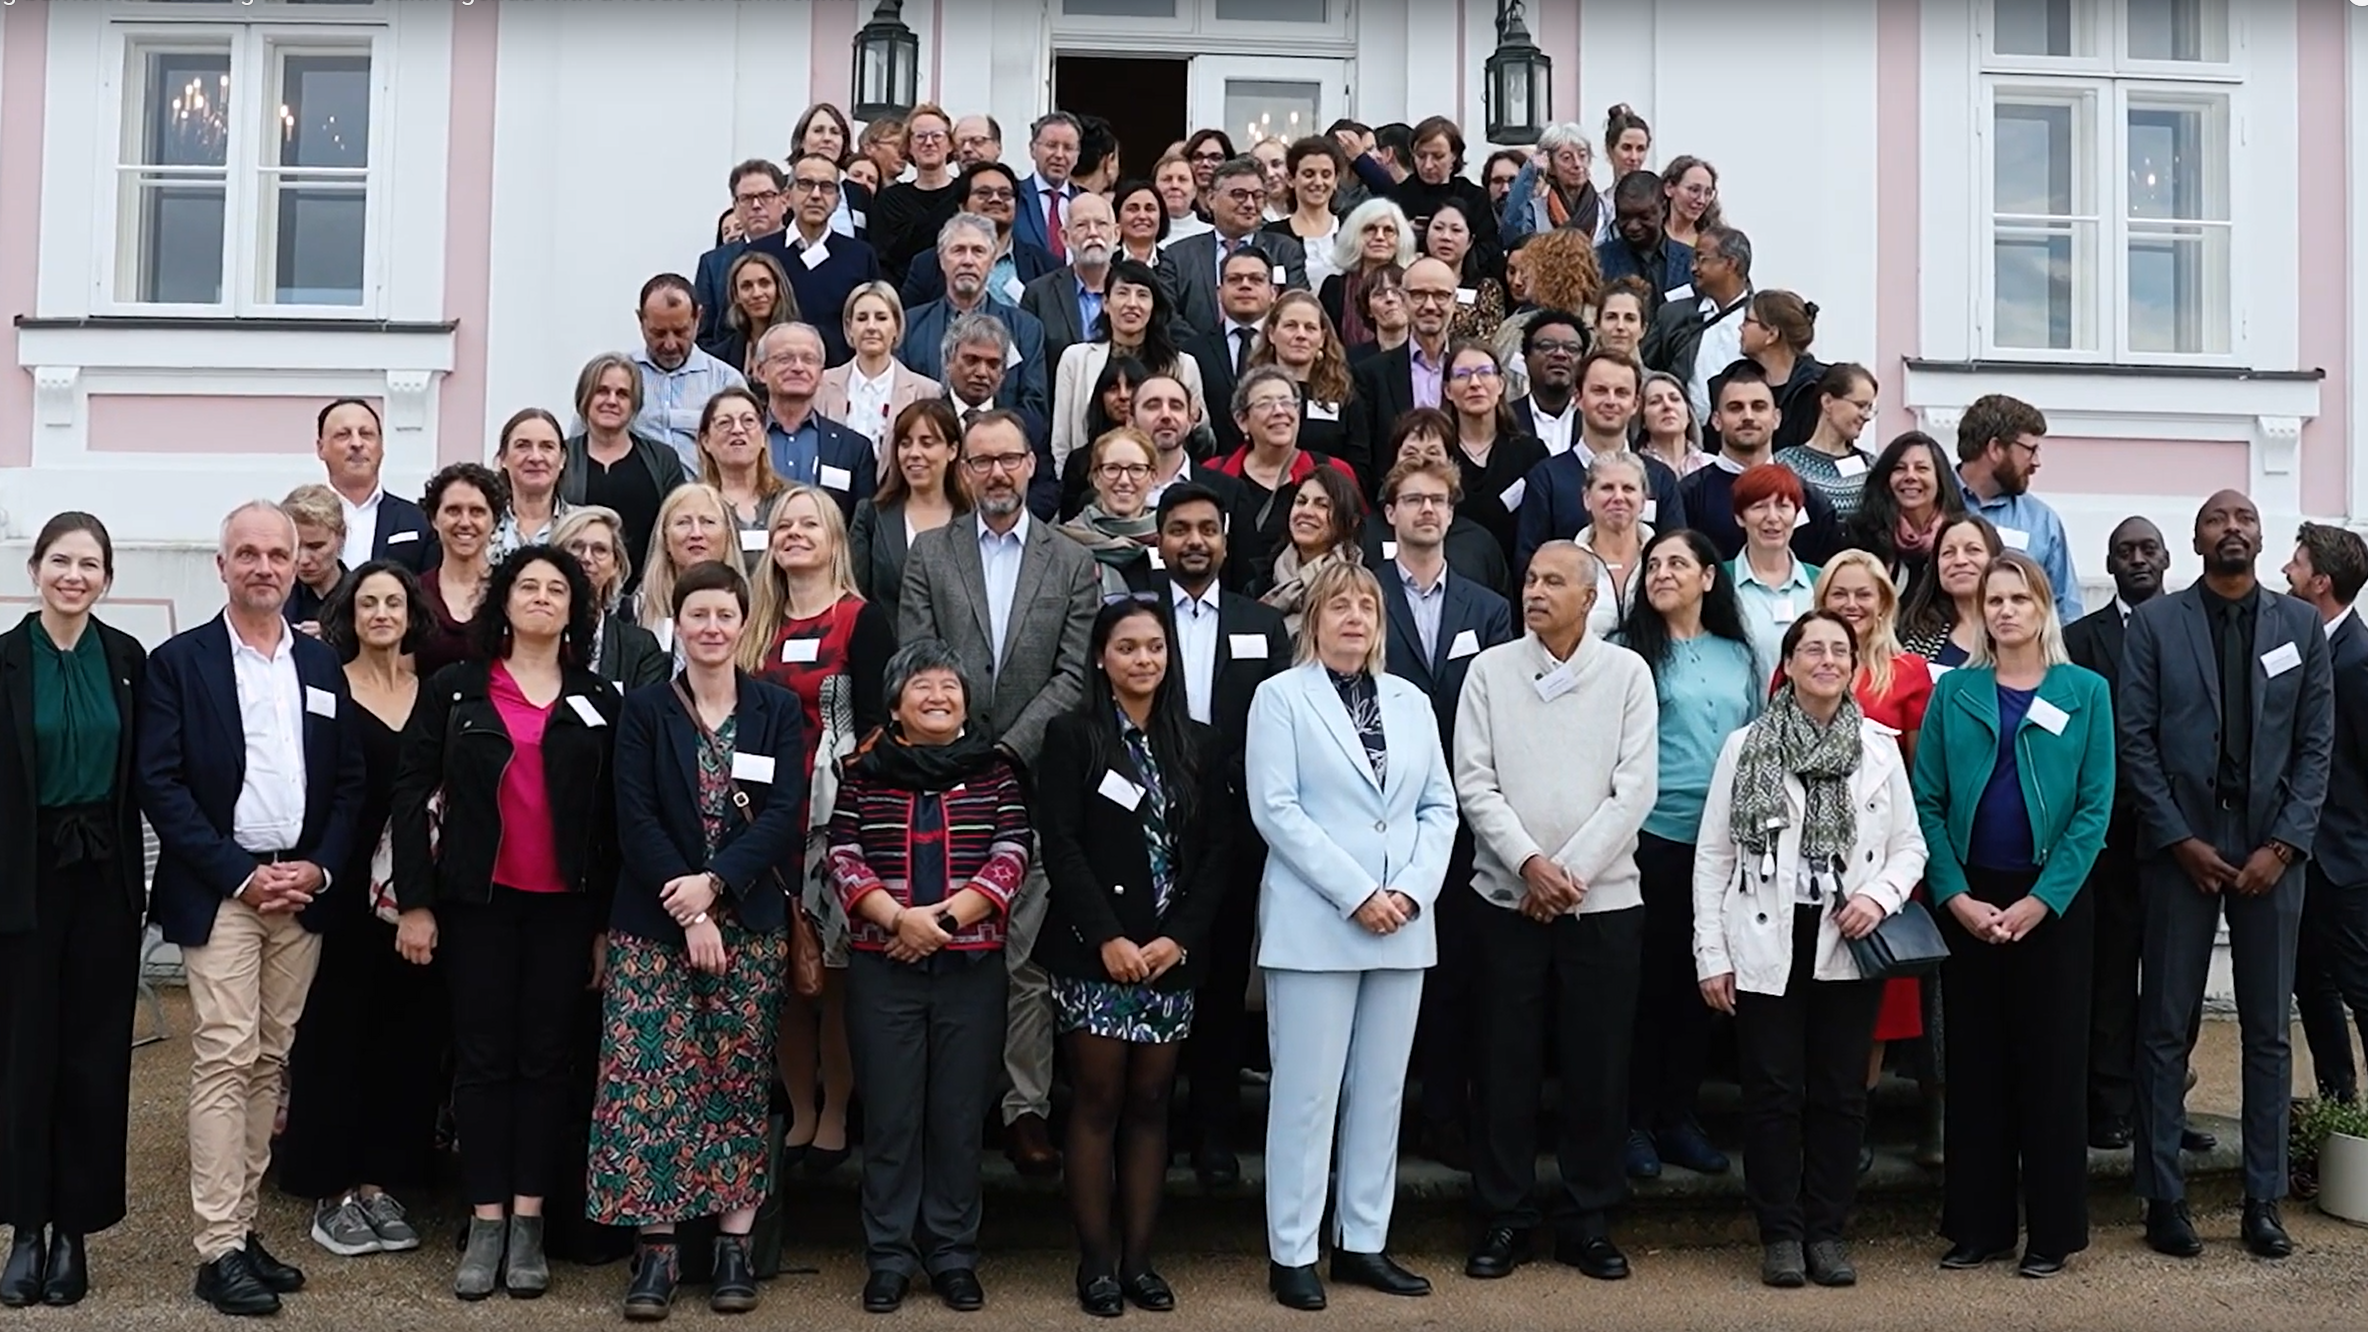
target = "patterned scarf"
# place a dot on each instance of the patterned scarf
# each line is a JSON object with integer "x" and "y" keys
{"x": 1117, "y": 544}
{"x": 1787, "y": 742}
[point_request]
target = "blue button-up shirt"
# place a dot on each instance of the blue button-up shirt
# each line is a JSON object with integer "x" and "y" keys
{"x": 672, "y": 400}
{"x": 2025, "y": 523}
{"x": 999, "y": 559}
{"x": 797, "y": 454}
{"x": 1425, "y": 375}
{"x": 1089, "y": 309}
{"x": 1427, "y": 609}
{"x": 1770, "y": 608}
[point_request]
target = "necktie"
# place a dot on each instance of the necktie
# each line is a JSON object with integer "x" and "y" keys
{"x": 1241, "y": 352}
{"x": 2236, "y": 699}
{"x": 1053, "y": 240}
{"x": 970, "y": 417}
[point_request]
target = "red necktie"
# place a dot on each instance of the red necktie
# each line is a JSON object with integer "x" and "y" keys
{"x": 1053, "y": 240}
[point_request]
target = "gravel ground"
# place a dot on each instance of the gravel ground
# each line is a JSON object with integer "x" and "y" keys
{"x": 143, "y": 1271}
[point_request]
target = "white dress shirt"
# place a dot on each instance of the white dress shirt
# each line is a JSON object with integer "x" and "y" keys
{"x": 2337, "y": 623}
{"x": 361, "y": 527}
{"x": 269, "y": 815}
{"x": 1556, "y": 432}
{"x": 999, "y": 559}
{"x": 1196, "y": 642}
{"x": 1722, "y": 343}
{"x": 867, "y": 403}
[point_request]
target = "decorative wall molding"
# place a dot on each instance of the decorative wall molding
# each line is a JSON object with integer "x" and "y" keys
{"x": 56, "y": 404}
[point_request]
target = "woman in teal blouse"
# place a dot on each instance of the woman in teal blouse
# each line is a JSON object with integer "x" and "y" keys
{"x": 70, "y": 903}
{"x": 2014, "y": 787}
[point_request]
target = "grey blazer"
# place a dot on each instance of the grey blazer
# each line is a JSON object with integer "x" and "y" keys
{"x": 876, "y": 545}
{"x": 2169, "y": 710}
{"x": 1042, "y": 673}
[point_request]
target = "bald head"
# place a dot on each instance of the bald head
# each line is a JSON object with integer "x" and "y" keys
{"x": 1430, "y": 294}
{"x": 2228, "y": 534}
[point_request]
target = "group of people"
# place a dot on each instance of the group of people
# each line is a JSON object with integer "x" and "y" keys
{"x": 1506, "y": 670}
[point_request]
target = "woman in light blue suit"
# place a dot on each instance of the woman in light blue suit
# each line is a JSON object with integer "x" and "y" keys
{"x": 1349, "y": 787}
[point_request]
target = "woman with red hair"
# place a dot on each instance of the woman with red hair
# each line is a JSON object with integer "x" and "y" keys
{"x": 1774, "y": 587}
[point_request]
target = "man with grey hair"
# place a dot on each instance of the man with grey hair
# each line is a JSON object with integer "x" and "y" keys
{"x": 966, "y": 255}
{"x": 677, "y": 376}
{"x": 1017, "y": 602}
{"x": 250, "y": 770}
{"x": 1696, "y": 340}
{"x": 976, "y": 351}
{"x": 1556, "y": 188}
{"x": 1068, "y": 301}
{"x": 1557, "y": 762}
{"x": 1193, "y": 268}
{"x": 807, "y": 446}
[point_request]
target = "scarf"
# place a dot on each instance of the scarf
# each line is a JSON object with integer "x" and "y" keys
{"x": 1787, "y": 742}
{"x": 1582, "y": 209}
{"x": 1291, "y": 579}
{"x": 1910, "y": 539}
{"x": 1117, "y": 544}
{"x": 886, "y": 757}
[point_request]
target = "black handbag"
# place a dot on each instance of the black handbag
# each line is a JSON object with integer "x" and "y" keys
{"x": 1907, "y": 943}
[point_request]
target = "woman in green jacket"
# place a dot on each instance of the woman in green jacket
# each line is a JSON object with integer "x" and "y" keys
{"x": 2014, "y": 787}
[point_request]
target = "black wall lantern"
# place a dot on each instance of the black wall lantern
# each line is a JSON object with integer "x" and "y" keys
{"x": 1520, "y": 86}
{"x": 887, "y": 78}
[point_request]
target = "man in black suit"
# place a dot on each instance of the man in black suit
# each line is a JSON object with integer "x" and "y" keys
{"x": 1237, "y": 207}
{"x": 351, "y": 444}
{"x": 1226, "y": 646}
{"x": 760, "y": 202}
{"x": 1068, "y": 301}
{"x": 2227, "y": 719}
{"x": 1246, "y": 291}
{"x": 250, "y": 771}
{"x": 976, "y": 348}
{"x": 1408, "y": 376}
{"x": 2329, "y": 567}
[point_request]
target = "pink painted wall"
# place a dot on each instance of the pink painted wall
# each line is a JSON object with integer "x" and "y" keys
{"x": 831, "y": 57}
{"x": 1555, "y": 26}
{"x": 176, "y": 423}
{"x": 2322, "y": 197}
{"x": 468, "y": 232}
{"x": 1898, "y": 154}
{"x": 24, "y": 69}
{"x": 2076, "y": 466}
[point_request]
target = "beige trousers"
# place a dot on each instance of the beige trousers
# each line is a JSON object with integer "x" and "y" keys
{"x": 247, "y": 984}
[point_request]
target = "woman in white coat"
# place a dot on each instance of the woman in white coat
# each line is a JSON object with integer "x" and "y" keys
{"x": 1349, "y": 787}
{"x": 1136, "y": 321}
{"x": 1809, "y": 839}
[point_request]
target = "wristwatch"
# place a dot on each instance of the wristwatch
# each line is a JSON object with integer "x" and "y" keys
{"x": 2283, "y": 852}
{"x": 946, "y": 922}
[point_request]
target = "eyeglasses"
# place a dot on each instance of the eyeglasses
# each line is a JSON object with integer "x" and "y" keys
{"x": 1421, "y": 297}
{"x": 1424, "y": 501}
{"x": 995, "y": 462}
{"x": 929, "y": 136}
{"x": 1244, "y": 196}
{"x": 994, "y": 195}
{"x": 760, "y": 197}
{"x": 1206, "y": 155}
{"x": 792, "y": 358}
{"x": 1469, "y": 372}
{"x": 806, "y": 186}
{"x": 1131, "y": 471}
{"x": 588, "y": 551}
{"x": 1257, "y": 405}
{"x": 1138, "y": 598}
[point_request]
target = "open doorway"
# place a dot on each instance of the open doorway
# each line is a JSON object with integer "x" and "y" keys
{"x": 1143, "y": 97}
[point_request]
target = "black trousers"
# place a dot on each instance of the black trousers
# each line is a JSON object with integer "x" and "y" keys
{"x": 2331, "y": 977}
{"x": 2118, "y": 915}
{"x": 365, "y": 1078}
{"x": 1667, "y": 1056}
{"x": 1803, "y": 1057}
{"x": 517, "y": 967}
{"x": 67, "y": 991}
{"x": 2018, "y": 1077}
{"x": 1442, "y": 1034}
{"x": 1577, "y": 976}
{"x": 1219, "y": 1047}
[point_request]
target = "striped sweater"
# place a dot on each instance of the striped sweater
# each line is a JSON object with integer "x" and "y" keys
{"x": 985, "y": 846}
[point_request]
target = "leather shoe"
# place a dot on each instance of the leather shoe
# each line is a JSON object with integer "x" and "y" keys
{"x": 20, "y": 1285}
{"x": 1216, "y": 1165}
{"x": 281, "y": 1277}
{"x": 1376, "y": 1271}
{"x": 1597, "y": 1257}
{"x": 1496, "y": 1255}
{"x": 883, "y": 1292}
{"x": 1685, "y": 1144}
{"x": 2170, "y": 1230}
{"x": 2194, "y": 1140}
{"x": 2264, "y": 1232}
{"x": 1829, "y": 1263}
{"x": 2040, "y": 1266}
{"x": 2110, "y": 1135}
{"x": 1295, "y": 1287}
{"x": 1027, "y": 1141}
{"x": 231, "y": 1285}
{"x": 1639, "y": 1158}
{"x": 1967, "y": 1257}
{"x": 959, "y": 1287}
{"x": 1149, "y": 1291}
{"x": 68, "y": 1279}
{"x": 1782, "y": 1265}
{"x": 1100, "y": 1296}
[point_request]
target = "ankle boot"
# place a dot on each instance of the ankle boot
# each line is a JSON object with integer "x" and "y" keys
{"x": 649, "y": 1297}
{"x": 733, "y": 1287}
{"x": 481, "y": 1261}
{"x": 20, "y": 1284}
{"x": 68, "y": 1278}
{"x": 526, "y": 1273}
{"x": 1931, "y": 1153}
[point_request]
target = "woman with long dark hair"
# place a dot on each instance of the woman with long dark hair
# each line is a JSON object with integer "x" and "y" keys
{"x": 1479, "y": 297}
{"x": 1322, "y": 530}
{"x": 923, "y": 491}
{"x": 1136, "y": 322}
{"x": 1142, "y": 221}
{"x": 1942, "y": 619}
{"x": 1490, "y": 451}
{"x": 1910, "y": 493}
{"x": 1130, "y": 815}
{"x": 1313, "y": 166}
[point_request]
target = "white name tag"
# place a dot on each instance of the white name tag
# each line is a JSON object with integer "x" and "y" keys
{"x": 1800, "y": 519}
{"x": 1466, "y": 644}
{"x": 836, "y": 478}
{"x": 1389, "y": 550}
{"x": 1850, "y": 465}
{"x": 1557, "y": 682}
{"x": 1013, "y": 289}
{"x": 585, "y": 712}
{"x": 1323, "y": 411}
{"x": 1780, "y": 610}
{"x": 2048, "y": 717}
{"x": 1011, "y": 357}
{"x": 1159, "y": 562}
{"x": 1511, "y": 498}
{"x": 1466, "y": 296}
{"x": 2280, "y": 659}
{"x": 753, "y": 768}
{"x": 1652, "y": 511}
{"x": 1683, "y": 291}
{"x": 398, "y": 538}
{"x": 2014, "y": 538}
{"x": 815, "y": 255}
{"x": 860, "y": 220}
{"x": 1937, "y": 670}
{"x": 801, "y": 650}
{"x": 1282, "y": 276}
{"x": 1119, "y": 791}
{"x": 753, "y": 540}
{"x": 1246, "y": 647}
{"x": 322, "y": 703}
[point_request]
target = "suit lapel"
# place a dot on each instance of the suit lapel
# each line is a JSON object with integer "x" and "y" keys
{"x": 122, "y": 654}
{"x": 1451, "y": 624}
{"x": 1318, "y": 684}
{"x": 962, "y": 535}
{"x": 1401, "y": 614}
{"x": 221, "y": 696}
{"x": 1035, "y": 553}
{"x": 2199, "y": 643}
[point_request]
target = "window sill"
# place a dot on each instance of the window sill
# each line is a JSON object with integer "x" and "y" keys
{"x": 1917, "y": 365}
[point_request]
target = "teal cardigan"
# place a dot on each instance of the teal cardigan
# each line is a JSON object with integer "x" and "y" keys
{"x": 2067, "y": 778}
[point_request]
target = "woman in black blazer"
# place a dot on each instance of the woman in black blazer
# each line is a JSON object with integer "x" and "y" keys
{"x": 623, "y": 653}
{"x": 70, "y": 904}
{"x": 921, "y": 490}
{"x": 711, "y": 789}
{"x": 516, "y": 742}
{"x": 1130, "y": 802}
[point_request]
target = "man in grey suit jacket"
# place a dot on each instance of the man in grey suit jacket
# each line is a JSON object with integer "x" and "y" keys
{"x": 1237, "y": 194}
{"x": 1016, "y": 601}
{"x": 2227, "y": 717}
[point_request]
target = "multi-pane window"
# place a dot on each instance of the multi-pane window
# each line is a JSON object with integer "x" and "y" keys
{"x": 2108, "y": 130}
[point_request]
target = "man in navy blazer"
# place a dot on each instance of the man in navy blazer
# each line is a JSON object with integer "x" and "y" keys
{"x": 2329, "y": 568}
{"x": 1044, "y": 196}
{"x": 760, "y": 199}
{"x": 966, "y": 248}
{"x": 350, "y": 441}
{"x": 806, "y": 446}
{"x": 824, "y": 266}
{"x": 1554, "y": 495}
{"x": 250, "y": 770}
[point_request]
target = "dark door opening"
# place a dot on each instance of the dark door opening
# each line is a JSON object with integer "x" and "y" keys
{"x": 1143, "y": 97}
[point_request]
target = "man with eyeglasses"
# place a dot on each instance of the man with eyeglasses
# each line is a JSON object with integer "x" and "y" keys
{"x": 1554, "y": 494}
{"x": 1192, "y": 267}
{"x": 1016, "y": 602}
{"x": 805, "y": 445}
{"x": 1042, "y": 217}
{"x": 1246, "y": 293}
{"x": 824, "y": 265}
{"x": 966, "y": 257}
{"x": 760, "y": 202}
{"x": 1696, "y": 339}
{"x": 1997, "y": 455}
{"x": 1068, "y": 301}
{"x": 906, "y": 214}
{"x": 1396, "y": 381}
{"x": 989, "y": 190}
{"x": 977, "y": 139}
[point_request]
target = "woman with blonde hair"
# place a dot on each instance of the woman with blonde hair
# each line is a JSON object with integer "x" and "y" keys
{"x": 1669, "y": 430}
{"x": 736, "y": 460}
{"x": 1374, "y": 236}
{"x": 866, "y": 393}
{"x": 1117, "y": 526}
{"x": 694, "y": 526}
{"x": 1179, "y": 195}
{"x": 623, "y": 653}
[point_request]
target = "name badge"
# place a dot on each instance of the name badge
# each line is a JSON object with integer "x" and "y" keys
{"x": 1800, "y": 519}
{"x": 815, "y": 255}
{"x": 753, "y": 540}
{"x": 585, "y": 712}
{"x": 2047, "y": 716}
{"x": 1850, "y": 465}
{"x": 322, "y": 703}
{"x": 1780, "y": 610}
{"x": 1119, "y": 791}
{"x": 1466, "y": 644}
{"x": 1246, "y": 647}
{"x": 1683, "y": 291}
{"x": 1389, "y": 550}
{"x": 1466, "y": 296}
{"x": 1011, "y": 356}
{"x": 1652, "y": 511}
{"x": 1013, "y": 289}
{"x": 2280, "y": 659}
{"x": 753, "y": 768}
{"x": 399, "y": 538}
{"x": 802, "y": 650}
{"x": 1282, "y": 276}
{"x": 1323, "y": 411}
{"x": 836, "y": 478}
{"x": 2014, "y": 538}
{"x": 1557, "y": 682}
{"x": 1511, "y": 498}
{"x": 858, "y": 218}
{"x": 1159, "y": 562}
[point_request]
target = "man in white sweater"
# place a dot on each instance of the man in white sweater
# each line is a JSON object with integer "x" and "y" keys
{"x": 1556, "y": 764}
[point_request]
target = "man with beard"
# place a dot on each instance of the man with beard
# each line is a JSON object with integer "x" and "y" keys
{"x": 1068, "y": 301}
{"x": 1192, "y": 268}
{"x": 1746, "y": 421}
{"x": 2227, "y": 720}
{"x": 966, "y": 255}
{"x": 989, "y": 190}
{"x": 1162, "y": 409}
{"x": 1394, "y": 382}
{"x": 1554, "y": 496}
{"x": 2329, "y": 567}
{"x": 1997, "y": 455}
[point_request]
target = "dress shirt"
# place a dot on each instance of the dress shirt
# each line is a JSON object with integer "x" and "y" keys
{"x": 361, "y": 527}
{"x": 1426, "y": 376}
{"x": 1196, "y": 643}
{"x": 1426, "y": 607}
{"x": 1556, "y": 432}
{"x": 1054, "y": 202}
{"x": 797, "y": 454}
{"x": 1003, "y": 278}
{"x": 269, "y": 815}
{"x": 1237, "y": 349}
{"x": 1089, "y": 305}
{"x": 867, "y": 403}
{"x": 1722, "y": 343}
{"x": 1226, "y": 249}
{"x": 2026, "y": 523}
{"x": 1182, "y": 477}
{"x": 2332, "y": 625}
{"x": 2122, "y": 609}
{"x": 999, "y": 560}
{"x": 672, "y": 400}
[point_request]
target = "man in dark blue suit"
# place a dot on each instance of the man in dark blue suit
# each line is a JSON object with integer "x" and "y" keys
{"x": 250, "y": 770}
{"x": 1554, "y": 496}
{"x": 1041, "y": 215}
{"x": 807, "y": 446}
{"x": 760, "y": 199}
{"x": 988, "y": 190}
{"x": 824, "y": 266}
{"x": 966, "y": 249}
{"x": 2329, "y": 568}
{"x": 976, "y": 349}
{"x": 350, "y": 442}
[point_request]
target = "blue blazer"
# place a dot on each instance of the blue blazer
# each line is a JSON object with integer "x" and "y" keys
{"x": 1027, "y": 222}
{"x": 1333, "y": 836}
{"x": 707, "y": 287}
{"x": 193, "y": 760}
{"x": 1469, "y": 608}
{"x": 659, "y": 833}
{"x": 822, "y": 290}
{"x": 405, "y": 536}
{"x": 1023, "y": 380}
{"x": 838, "y": 446}
{"x": 926, "y": 280}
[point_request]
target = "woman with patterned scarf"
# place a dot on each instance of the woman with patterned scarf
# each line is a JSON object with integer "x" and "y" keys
{"x": 1809, "y": 839}
{"x": 1326, "y": 516}
{"x": 1117, "y": 526}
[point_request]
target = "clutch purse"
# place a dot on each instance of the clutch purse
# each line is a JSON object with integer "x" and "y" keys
{"x": 1907, "y": 943}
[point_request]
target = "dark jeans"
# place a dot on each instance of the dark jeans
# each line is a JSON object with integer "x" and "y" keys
{"x": 1672, "y": 1032}
{"x": 365, "y": 1078}
{"x": 1803, "y": 1058}
{"x": 1442, "y": 1036}
{"x": 1576, "y": 976}
{"x": 2331, "y": 976}
{"x": 2120, "y": 928}
{"x": 517, "y": 967}
{"x": 2018, "y": 1121}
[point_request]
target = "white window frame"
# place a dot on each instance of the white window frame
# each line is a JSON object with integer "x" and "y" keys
{"x": 2113, "y": 82}
{"x": 258, "y": 35}
{"x": 1196, "y": 29}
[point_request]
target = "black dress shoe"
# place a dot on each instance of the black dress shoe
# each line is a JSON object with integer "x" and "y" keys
{"x": 281, "y": 1277}
{"x": 2110, "y": 1135}
{"x": 1966, "y": 1257}
{"x": 821, "y": 1161}
{"x": 1216, "y": 1165}
{"x": 2170, "y": 1230}
{"x": 2193, "y": 1140}
{"x": 231, "y": 1285}
{"x": 1598, "y": 1258}
{"x": 20, "y": 1285}
{"x": 2040, "y": 1266}
{"x": 1375, "y": 1270}
{"x": 1496, "y": 1255}
{"x": 1100, "y": 1296}
{"x": 68, "y": 1279}
{"x": 959, "y": 1288}
{"x": 2264, "y": 1232}
{"x": 1149, "y": 1291}
{"x": 1295, "y": 1287}
{"x": 883, "y": 1292}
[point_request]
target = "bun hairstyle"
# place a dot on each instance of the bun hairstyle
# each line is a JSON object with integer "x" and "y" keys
{"x": 1791, "y": 319}
{"x": 1619, "y": 120}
